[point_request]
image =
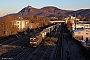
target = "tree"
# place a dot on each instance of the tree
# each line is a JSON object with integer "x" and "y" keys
{"x": 7, "y": 24}
{"x": 8, "y": 27}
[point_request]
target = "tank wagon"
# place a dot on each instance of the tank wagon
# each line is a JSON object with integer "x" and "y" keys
{"x": 36, "y": 39}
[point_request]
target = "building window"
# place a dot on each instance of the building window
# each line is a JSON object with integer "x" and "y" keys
{"x": 18, "y": 26}
{"x": 86, "y": 33}
{"x": 86, "y": 41}
{"x": 18, "y": 22}
{"x": 79, "y": 32}
{"x": 82, "y": 37}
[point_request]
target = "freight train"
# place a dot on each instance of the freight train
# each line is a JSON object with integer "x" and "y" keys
{"x": 36, "y": 39}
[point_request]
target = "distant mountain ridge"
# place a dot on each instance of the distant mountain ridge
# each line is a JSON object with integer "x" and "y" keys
{"x": 50, "y": 11}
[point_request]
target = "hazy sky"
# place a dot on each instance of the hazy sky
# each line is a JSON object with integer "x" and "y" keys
{"x": 14, "y": 6}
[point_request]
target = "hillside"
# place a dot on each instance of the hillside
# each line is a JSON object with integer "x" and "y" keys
{"x": 50, "y": 11}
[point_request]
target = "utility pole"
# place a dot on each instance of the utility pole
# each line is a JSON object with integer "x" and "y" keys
{"x": 75, "y": 21}
{"x": 89, "y": 24}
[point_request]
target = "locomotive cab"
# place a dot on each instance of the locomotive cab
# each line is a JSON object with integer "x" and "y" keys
{"x": 35, "y": 40}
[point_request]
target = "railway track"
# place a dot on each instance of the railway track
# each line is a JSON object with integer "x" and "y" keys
{"x": 8, "y": 41}
{"x": 67, "y": 48}
{"x": 59, "y": 48}
{"x": 23, "y": 54}
{"x": 3, "y": 39}
{"x": 58, "y": 53}
{"x": 13, "y": 41}
{"x": 23, "y": 42}
{"x": 46, "y": 49}
{"x": 74, "y": 49}
{"x": 12, "y": 53}
{"x": 42, "y": 52}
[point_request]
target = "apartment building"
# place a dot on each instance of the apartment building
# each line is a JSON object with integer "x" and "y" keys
{"x": 21, "y": 24}
{"x": 81, "y": 25}
{"x": 82, "y": 35}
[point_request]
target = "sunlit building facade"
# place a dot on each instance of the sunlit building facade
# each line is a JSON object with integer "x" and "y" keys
{"x": 22, "y": 25}
{"x": 82, "y": 35}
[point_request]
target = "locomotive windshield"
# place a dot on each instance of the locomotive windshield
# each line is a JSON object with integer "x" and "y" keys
{"x": 32, "y": 39}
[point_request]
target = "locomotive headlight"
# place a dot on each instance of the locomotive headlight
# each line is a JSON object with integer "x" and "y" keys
{"x": 31, "y": 38}
{"x": 33, "y": 42}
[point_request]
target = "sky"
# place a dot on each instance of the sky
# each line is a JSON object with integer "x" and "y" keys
{"x": 14, "y": 6}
